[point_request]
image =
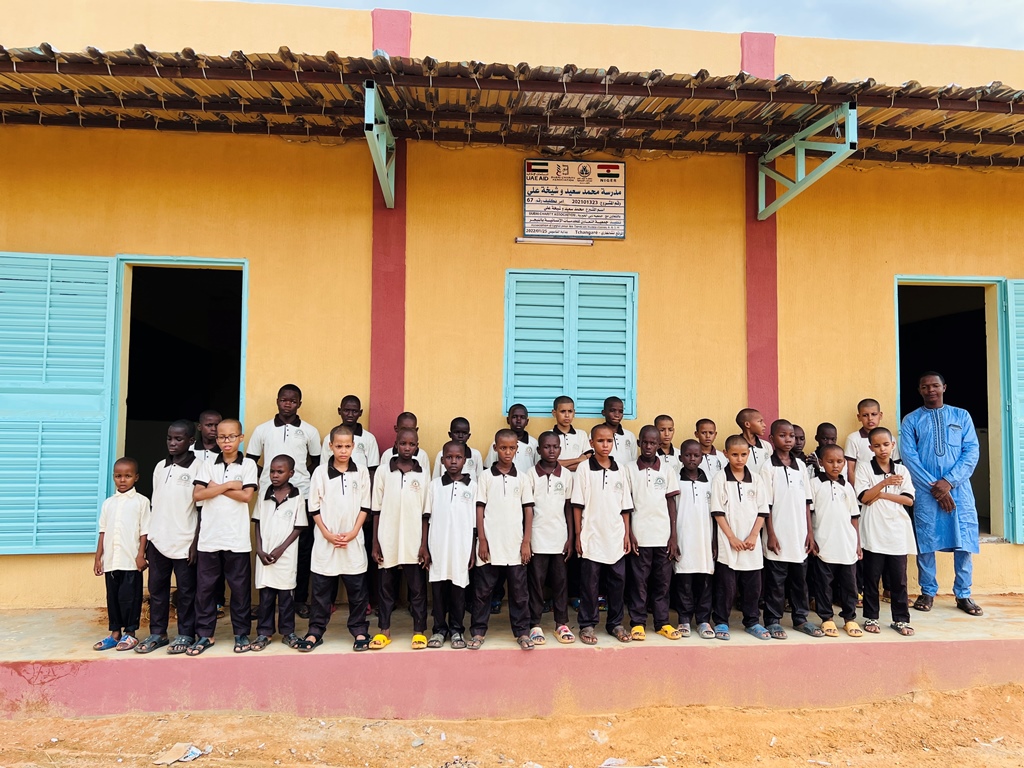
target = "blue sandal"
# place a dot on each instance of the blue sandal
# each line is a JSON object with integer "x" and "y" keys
{"x": 105, "y": 644}
{"x": 722, "y": 632}
{"x": 759, "y": 632}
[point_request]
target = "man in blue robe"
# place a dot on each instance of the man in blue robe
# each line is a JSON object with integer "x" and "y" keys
{"x": 940, "y": 448}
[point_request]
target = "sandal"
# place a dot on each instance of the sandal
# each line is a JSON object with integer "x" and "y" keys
{"x": 475, "y": 642}
{"x": 127, "y": 643}
{"x": 684, "y": 630}
{"x": 309, "y": 645}
{"x": 619, "y": 633}
{"x": 436, "y": 640}
{"x": 242, "y": 644}
{"x": 810, "y": 629}
{"x": 860, "y": 600}
{"x": 706, "y": 631}
{"x": 968, "y": 606}
{"x": 777, "y": 631}
{"x": 379, "y": 641}
{"x": 924, "y": 603}
{"x": 261, "y": 642}
{"x": 180, "y": 644}
{"x": 302, "y": 610}
{"x": 759, "y": 632}
{"x": 564, "y": 635}
{"x": 830, "y": 629}
{"x": 458, "y": 641}
{"x": 638, "y": 633}
{"x": 525, "y": 642}
{"x": 292, "y": 640}
{"x": 105, "y": 644}
{"x": 537, "y": 636}
{"x": 871, "y": 626}
{"x": 671, "y": 632}
{"x": 722, "y": 632}
{"x": 886, "y": 597}
{"x": 903, "y": 627}
{"x": 361, "y": 644}
{"x": 200, "y": 645}
{"x": 419, "y": 641}
{"x": 588, "y": 635}
{"x": 151, "y": 643}
{"x": 853, "y": 629}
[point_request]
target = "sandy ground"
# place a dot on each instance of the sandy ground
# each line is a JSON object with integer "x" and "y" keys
{"x": 977, "y": 727}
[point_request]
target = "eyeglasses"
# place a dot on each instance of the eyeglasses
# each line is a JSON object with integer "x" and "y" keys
{"x": 227, "y": 438}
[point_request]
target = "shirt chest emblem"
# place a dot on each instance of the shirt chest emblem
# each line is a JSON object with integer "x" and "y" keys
{"x": 529, "y": 450}
{"x": 184, "y": 479}
{"x": 750, "y": 494}
{"x": 415, "y": 485}
{"x": 618, "y": 485}
{"x": 467, "y": 496}
{"x": 360, "y": 448}
{"x": 515, "y": 490}
{"x": 558, "y": 487}
{"x": 659, "y": 482}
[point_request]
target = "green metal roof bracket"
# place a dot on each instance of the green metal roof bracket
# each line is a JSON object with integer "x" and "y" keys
{"x": 798, "y": 145}
{"x": 380, "y": 140}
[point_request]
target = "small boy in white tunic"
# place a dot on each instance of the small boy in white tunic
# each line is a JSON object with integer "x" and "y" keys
{"x": 526, "y": 446}
{"x": 279, "y": 518}
{"x": 667, "y": 452}
{"x": 339, "y": 503}
{"x": 857, "y": 447}
{"x": 625, "y": 449}
{"x": 654, "y": 486}
{"x": 739, "y": 505}
{"x": 458, "y": 431}
{"x": 451, "y": 511}
{"x": 886, "y": 493}
{"x": 574, "y": 444}
{"x": 400, "y": 537}
{"x": 712, "y": 460}
{"x": 788, "y": 535}
{"x": 691, "y": 584}
{"x": 836, "y": 519}
{"x": 365, "y": 452}
{"x": 752, "y": 427}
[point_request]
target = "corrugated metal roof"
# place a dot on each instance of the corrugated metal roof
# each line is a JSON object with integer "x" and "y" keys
{"x": 558, "y": 110}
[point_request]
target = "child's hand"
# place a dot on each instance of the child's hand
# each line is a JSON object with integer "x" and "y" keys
{"x": 97, "y": 566}
{"x": 579, "y": 546}
{"x": 810, "y": 546}
{"x": 140, "y": 562}
{"x": 673, "y": 549}
{"x": 567, "y": 551}
{"x": 736, "y": 543}
{"x": 339, "y": 540}
{"x": 275, "y": 555}
{"x": 773, "y": 544}
{"x": 892, "y": 480}
{"x": 525, "y": 553}
{"x": 627, "y": 543}
{"x": 376, "y": 554}
{"x": 423, "y": 558}
{"x": 860, "y": 553}
{"x": 193, "y": 554}
{"x": 483, "y": 551}
{"x": 632, "y": 545}
{"x": 265, "y": 558}
{"x": 752, "y": 541}
{"x": 815, "y": 549}
{"x": 472, "y": 559}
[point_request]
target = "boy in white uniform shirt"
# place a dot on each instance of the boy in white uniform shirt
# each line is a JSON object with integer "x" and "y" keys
{"x": 601, "y": 505}
{"x": 173, "y": 527}
{"x": 574, "y": 445}
{"x": 625, "y": 449}
{"x": 451, "y": 509}
{"x": 667, "y": 452}
{"x": 224, "y": 486}
{"x": 526, "y": 445}
{"x": 836, "y": 518}
{"x": 691, "y": 584}
{"x": 654, "y": 486}
{"x": 886, "y": 494}
{"x": 788, "y": 535}
{"x": 857, "y": 448}
{"x": 405, "y": 420}
{"x": 458, "y": 431}
{"x": 205, "y": 447}
{"x": 121, "y": 556}
{"x": 739, "y": 506}
{"x": 365, "y": 451}
{"x": 712, "y": 461}
{"x": 752, "y": 427}
{"x": 339, "y": 503}
{"x": 280, "y": 517}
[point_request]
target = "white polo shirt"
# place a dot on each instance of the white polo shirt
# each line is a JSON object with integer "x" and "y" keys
{"x": 400, "y": 498}
{"x": 364, "y": 448}
{"x": 172, "y": 524}
{"x": 671, "y": 457}
{"x": 277, "y": 521}
{"x": 504, "y": 498}
{"x": 603, "y": 495}
{"x": 420, "y": 457}
{"x": 451, "y": 505}
{"x": 834, "y": 506}
{"x": 338, "y": 498}
{"x": 204, "y": 453}
{"x": 694, "y": 526}
{"x": 474, "y": 464}
{"x": 713, "y": 463}
{"x": 858, "y": 448}
{"x": 526, "y": 455}
{"x": 651, "y": 486}
{"x": 300, "y": 440}
{"x": 885, "y": 526}
{"x": 759, "y": 453}
{"x": 626, "y": 448}
{"x": 573, "y": 443}
{"x": 124, "y": 520}
{"x": 550, "y": 533}
{"x": 224, "y": 523}
{"x": 789, "y": 494}
{"x": 741, "y": 502}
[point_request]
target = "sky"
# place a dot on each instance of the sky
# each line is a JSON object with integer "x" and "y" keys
{"x": 986, "y": 23}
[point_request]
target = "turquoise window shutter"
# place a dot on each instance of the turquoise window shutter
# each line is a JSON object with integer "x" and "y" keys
{"x": 1014, "y": 524}
{"x": 537, "y": 340}
{"x": 56, "y": 349}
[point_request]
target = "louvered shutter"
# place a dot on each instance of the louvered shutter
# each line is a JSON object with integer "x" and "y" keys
{"x": 56, "y": 345}
{"x": 1015, "y": 309}
{"x": 605, "y": 357}
{"x": 537, "y": 340}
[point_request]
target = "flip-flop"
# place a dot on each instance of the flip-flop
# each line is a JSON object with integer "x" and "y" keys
{"x": 706, "y": 631}
{"x": 309, "y": 645}
{"x": 830, "y": 629}
{"x": 525, "y": 642}
{"x": 903, "y": 627}
{"x": 777, "y": 631}
{"x": 105, "y": 644}
{"x": 537, "y": 636}
{"x": 619, "y": 633}
{"x": 722, "y": 632}
{"x": 379, "y": 641}
{"x": 458, "y": 641}
{"x": 151, "y": 643}
{"x": 200, "y": 646}
{"x": 475, "y": 643}
{"x": 638, "y": 633}
{"x": 564, "y": 635}
{"x": 808, "y": 628}
{"x": 588, "y": 635}
{"x": 968, "y": 606}
{"x": 853, "y": 629}
{"x": 180, "y": 645}
{"x": 758, "y": 631}
{"x": 127, "y": 643}
{"x": 670, "y": 632}
{"x": 361, "y": 644}
{"x": 872, "y": 627}
{"x": 923, "y": 603}
{"x": 261, "y": 642}
{"x": 436, "y": 640}
{"x": 242, "y": 644}
{"x": 419, "y": 641}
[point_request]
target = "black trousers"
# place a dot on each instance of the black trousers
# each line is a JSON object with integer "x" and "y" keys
{"x": 324, "y": 592}
{"x": 548, "y": 570}
{"x": 487, "y": 576}
{"x": 650, "y": 573}
{"x": 281, "y": 601}
{"x": 780, "y": 579}
{"x": 448, "y": 606}
{"x": 305, "y": 554}
{"x": 834, "y": 580}
{"x": 160, "y": 570}
{"x": 691, "y": 592}
{"x": 726, "y": 584}
{"x": 591, "y": 573}
{"x": 124, "y": 600}
{"x": 893, "y": 570}
{"x": 572, "y": 574}
{"x": 236, "y": 569}
{"x": 416, "y": 583}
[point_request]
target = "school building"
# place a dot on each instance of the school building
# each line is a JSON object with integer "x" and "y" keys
{"x": 197, "y": 208}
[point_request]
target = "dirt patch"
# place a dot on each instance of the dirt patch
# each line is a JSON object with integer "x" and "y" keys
{"x": 976, "y": 727}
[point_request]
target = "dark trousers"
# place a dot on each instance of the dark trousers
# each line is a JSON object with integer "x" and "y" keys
{"x": 892, "y": 569}
{"x": 691, "y": 593}
{"x": 124, "y": 600}
{"x": 572, "y": 574}
{"x": 650, "y": 573}
{"x": 160, "y": 570}
{"x": 325, "y": 590}
{"x": 416, "y": 583}
{"x": 237, "y": 571}
{"x": 372, "y": 569}
{"x": 614, "y": 575}
{"x": 838, "y": 580}
{"x": 448, "y": 606}
{"x": 305, "y": 554}
{"x": 518, "y": 598}
{"x": 726, "y": 584}
{"x": 548, "y": 570}
{"x": 780, "y": 579}
{"x": 283, "y": 600}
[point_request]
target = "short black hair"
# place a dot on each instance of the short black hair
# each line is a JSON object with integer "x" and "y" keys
{"x": 290, "y": 461}
{"x": 341, "y": 429}
{"x": 290, "y": 388}
{"x": 732, "y": 440}
{"x": 128, "y": 460}
{"x": 187, "y": 424}
{"x": 832, "y": 447}
{"x": 351, "y": 399}
{"x": 608, "y": 401}
{"x": 453, "y": 444}
{"x": 877, "y": 432}
{"x": 501, "y": 434}
{"x": 209, "y": 412}
{"x": 704, "y": 421}
{"x": 594, "y": 429}
{"x": 744, "y": 416}
{"x": 647, "y": 428}
{"x": 562, "y": 400}
{"x": 780, "y": 423}
{"x": 926, "y": 374}
{"x": 406, "y": 416}
{"x": 518, "y": 405}
{"x": 403, "y": 430}
{"x": 691, "y": 443}
{"x": 867, "y": 402}
{"x": 663, "y": 417}
{"x": 826, "y": 425}
{"x": 545, "y": 435}
{"x": 459, "y": 420}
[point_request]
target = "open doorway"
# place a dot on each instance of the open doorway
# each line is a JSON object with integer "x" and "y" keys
{"x": 184, "y": 354}
{"x": 943, "y": 328}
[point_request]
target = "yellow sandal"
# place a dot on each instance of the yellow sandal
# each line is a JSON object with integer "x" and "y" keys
{"x": 853, "y": 629}
{"x": 379, "y": 641}
{"x": 670, "y": 632}
{"x": 419, "y": 642}
{"x": 638, "y": 633}
{"x": 829, "y": 628}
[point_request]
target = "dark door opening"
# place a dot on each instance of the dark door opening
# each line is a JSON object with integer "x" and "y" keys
{"x": 184, "y": 354}
{"x": 942, "y": 328}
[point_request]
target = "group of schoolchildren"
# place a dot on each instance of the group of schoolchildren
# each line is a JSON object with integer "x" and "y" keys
{"x": 613, "y": 520}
